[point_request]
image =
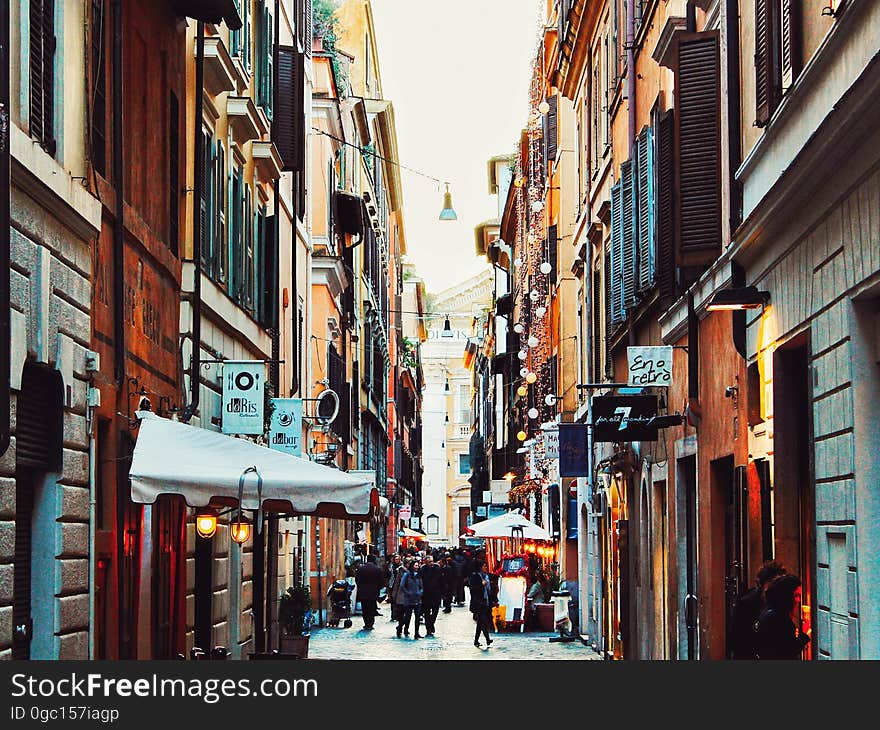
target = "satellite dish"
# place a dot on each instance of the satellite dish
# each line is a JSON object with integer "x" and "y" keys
{"x": 327, "y": 407}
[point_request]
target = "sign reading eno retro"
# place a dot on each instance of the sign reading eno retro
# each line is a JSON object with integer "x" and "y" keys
{"x": 243, "y": 403}
{"x": 285, "y": 425}
{"x": 619, "y": 418}
{"x": 650, "y": 365}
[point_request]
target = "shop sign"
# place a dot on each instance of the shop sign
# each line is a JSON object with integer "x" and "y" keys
{"x": 404, "y": 512}
{"x": 551, "y": 443}
{"x": 650, "y": 365}
{"x": 573, "y": 450}
{"x": 623, "y": 418}
{"x": 285, "y": 426}
{"x": 243, "y": 401}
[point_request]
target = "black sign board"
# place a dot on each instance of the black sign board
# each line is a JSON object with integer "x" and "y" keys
{"x": 573, "y": 450}
{"x": 619, "y": 418}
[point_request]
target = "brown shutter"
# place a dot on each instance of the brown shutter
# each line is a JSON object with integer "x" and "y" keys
{"x": 22, "y": 623}
{"x": 790, "y": 43}
{"x": 551, "y": 133}
{"x": 765, "y": 95}
{"x": 666, "y": 205}
{"x": 553, "y": 251}
{"x": 699, "y": 149}
{"x": 307, "y": 28}
{"x": 288, "y": 123}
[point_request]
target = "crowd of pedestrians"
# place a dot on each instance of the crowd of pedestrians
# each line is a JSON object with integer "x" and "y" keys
{"x": 417, "y": 584}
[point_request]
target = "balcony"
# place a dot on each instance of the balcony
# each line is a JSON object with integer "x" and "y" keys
{"x": 219, "y": 72}
{"x": 243, "y": 119}
{"x": 210, "y": 11}
{"x": 266, "y": 159}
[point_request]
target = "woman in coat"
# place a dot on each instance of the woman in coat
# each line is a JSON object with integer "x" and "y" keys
{"x": 482, "y": 601}
{"x": 409, "y": 598}
{"x": 779, "y": 633}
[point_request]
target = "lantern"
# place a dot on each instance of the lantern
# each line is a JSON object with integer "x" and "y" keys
{"x": 206, "y": 522}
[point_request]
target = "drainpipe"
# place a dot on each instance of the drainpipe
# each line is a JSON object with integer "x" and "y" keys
{"x": 6, "y": 240}
{"x": 198, "y": 183}
{"x": 631, "y": 69}
{"x": 93, "y": 515}
{"x": 119, "y": 203}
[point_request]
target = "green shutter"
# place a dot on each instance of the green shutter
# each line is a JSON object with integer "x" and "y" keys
{"x": 628, "y": 239}
{"x": 219, "y": 216}
{"x": 616, "y": 289}
{"x": 247, "y": 34}
{"x": 645, "y": 193}
{"x": 235, "y": 35}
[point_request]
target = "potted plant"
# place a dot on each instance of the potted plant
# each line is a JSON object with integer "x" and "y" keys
{"x": 295, "y": 607}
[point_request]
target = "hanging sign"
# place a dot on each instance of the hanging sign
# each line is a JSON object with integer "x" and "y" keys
{"x": 243, "y": 403}
{"x": 573, "y": 450}
{"x": 551, "y": 443}
{"x": 650, "y": 365}
{"x": 285, "y": 425}
{"x": 624, "y": 418}
{"x": 404, "y": 513}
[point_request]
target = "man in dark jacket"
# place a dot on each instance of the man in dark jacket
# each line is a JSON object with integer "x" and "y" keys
{"x": 368, "y": 580}
{"x": 459, "y": 574}
{"x": 482, "y": 600}
{"x": 448, "y": 583}
{"x": 747, "y": 609}
{"x": 432, "y": 587}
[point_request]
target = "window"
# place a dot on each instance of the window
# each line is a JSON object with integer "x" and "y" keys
{"x": 42, "y": 73}
{"x": 464, "y": 463}
{"x": 464, "y": 404}
{"x": 98, "y": 67}
{"x": 173, "y": 171}
{"x": 236, "y": 256}
{"x": 777, "y": 53}
{"x": 264, "y": 23}
{"x": 433, "y": 524}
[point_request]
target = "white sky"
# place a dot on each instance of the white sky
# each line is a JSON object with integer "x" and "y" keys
{"x": 457, "y": 72}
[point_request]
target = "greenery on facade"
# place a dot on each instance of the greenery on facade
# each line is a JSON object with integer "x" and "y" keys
{"x": 325, "y": 25}
{"x": 408, "y": 354}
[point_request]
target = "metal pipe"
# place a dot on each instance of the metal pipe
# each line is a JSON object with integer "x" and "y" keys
{"x": 631, "y": 69}
{"x": 93, "y": 514}
{"x": 6, "y": 240}
{"x": 198, "y": 187}
{"x": 119, "y": 202}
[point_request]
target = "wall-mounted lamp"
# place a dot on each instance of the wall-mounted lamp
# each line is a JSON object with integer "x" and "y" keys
{"x": 206, "y": 522}
{"x": 447, "y": 328}
{"x": 738, "y": 298}
{"x": 510, "y": 476}
{"x": 240, "y": 529}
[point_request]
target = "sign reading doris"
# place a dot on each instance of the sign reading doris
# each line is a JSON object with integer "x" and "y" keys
{"x": 243, "y": 404}
{"x": 285, "y": 426}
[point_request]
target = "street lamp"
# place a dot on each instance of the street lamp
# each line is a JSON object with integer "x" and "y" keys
{"x": 738, "y": 298}
{"x": 206, "y": 522}
{"x": 448, "y": 213}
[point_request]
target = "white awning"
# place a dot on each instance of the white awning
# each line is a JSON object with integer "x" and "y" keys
{"x": 205, "y": 467}
{"x": 508, "y": 525}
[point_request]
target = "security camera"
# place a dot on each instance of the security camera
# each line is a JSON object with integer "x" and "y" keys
{"x": 730, "y": 391}
{"x": 144, "y": 404}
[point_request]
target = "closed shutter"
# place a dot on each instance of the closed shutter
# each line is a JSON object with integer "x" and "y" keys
{"x": 553, "y": 251}
{"x": 628, "y": 240}
{"x": 235, "y": 35}
{"x": 307, "y": 27}
{"x": 21, "y": 568}
{"x": 699, "y": 149}
{"x": 235, "y": 257}
{"x": 765, "y": 97}
{"x": 615, "y": 304}
{"x": 284, "y": 123}
{"x": 202, "y": 171}
{"x": 38, "y": 421}
{"x": 42, "y": 73}
{"x": 645, "y": 192}
{"x": 666, "y": 205}
{"x": 552, "y": 127}
{"x": 219, "y": 257}
{"x": 270, "y": 259}
{"x": 247, "y": 34}
{"x": 173, "y": 173}
{"x": 248, "y": 267}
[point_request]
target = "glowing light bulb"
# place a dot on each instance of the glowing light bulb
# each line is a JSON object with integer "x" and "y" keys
{"x": 546, "y": 268}
{"x": 523, "y": 372}
{"x": 517, "y": 262}
{"x": 533, "y": 341}
{"x": 518, "y": 328}
{"x": 540, "y": 311}
{"x": 533, "y": 295}
{"x": 537, "y": 206}
{"x": 522, "y": 435}
{"x": 206, "y": 524}
{"x": 543, "y": 107}
{"x": 531, "y": 378}
{"x": 522, "y": 354}
{"x": 522, "y": 391}
{"x": 533, "y": 413}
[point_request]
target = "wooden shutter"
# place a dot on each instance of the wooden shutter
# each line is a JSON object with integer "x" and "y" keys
{"x": 235, "y": 35}
{"x": 789, "y": 42}
{"x": 270, "y": 62}
{"x": 21, "y": 566}
{"x": 247, "y": 33}
{"x": 203, "y": 171}
{"x": 248, "y": 251}
{"x": 553, "y": 117}
{"x": 42, "y": 73}
{"x": 307, "y": 27}
{"x": 765, "y": 97}
{"x": 616, "y": 286}
{"x": 235, "y": 257}
{"x": 665, "y": 210}
{"x": 288, "y": 125}
{"x": 645, "y": 193}
{"x": 628, "y": 240}
{"x": 553, "y": 251}
{"x": 219, "y": 237}
{"x": 173, "y": 173}
{"x": 699, "y": 149}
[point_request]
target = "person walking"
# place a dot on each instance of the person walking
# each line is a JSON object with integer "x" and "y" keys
{"x": 459, "y": 565}
{"x": 779, "y": 631}
{"x": 368, "y": 580}
{"x": 481, "y": 603}
{"x": 409, "y": 598}
{"x": 397, "y": 571}
{"x": 432, "y": 589}
{"x": 448, "y": 582}
{"x": 748, "y": 608}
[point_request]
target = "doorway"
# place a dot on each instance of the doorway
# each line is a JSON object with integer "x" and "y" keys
{"x": 660, "y": 569}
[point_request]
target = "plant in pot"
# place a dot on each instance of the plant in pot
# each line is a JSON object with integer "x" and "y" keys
{"x": 295, "y": 606}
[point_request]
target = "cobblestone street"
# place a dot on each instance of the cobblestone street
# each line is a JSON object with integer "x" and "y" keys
{"x": 453, "y": 640}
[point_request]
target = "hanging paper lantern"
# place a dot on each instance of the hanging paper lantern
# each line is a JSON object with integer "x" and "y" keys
{"x": 540, "y": 311}
{"x": 533, "y": 295}
{"x": 522, "y": 354}
{"x": 537, "y": 206}
{"x": 546, "y": 268}
{"x": 533, "y": 413}
{"x": 533, "y": 341}
{"x": 518, "y": 328}
{"x": 523, "y": 372}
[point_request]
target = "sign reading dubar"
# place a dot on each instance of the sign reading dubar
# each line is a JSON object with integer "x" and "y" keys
{"x": 285, "y": 425}
{"x": 243, "y": 404}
